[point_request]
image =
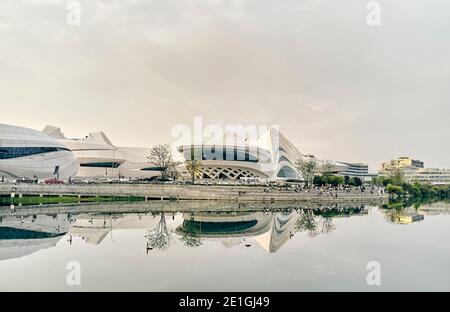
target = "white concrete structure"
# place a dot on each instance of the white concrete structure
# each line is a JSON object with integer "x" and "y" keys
{"x": 94, "y": 229}
{"x": 269, "y": 157}
{"x": 30, "y": 153}
{"x": 100, "y": 158}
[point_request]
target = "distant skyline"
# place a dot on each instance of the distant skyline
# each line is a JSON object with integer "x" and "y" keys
{"x": 338, "y": 88}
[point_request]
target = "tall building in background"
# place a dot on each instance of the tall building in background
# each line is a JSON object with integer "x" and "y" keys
{"x": 413, "y": 170}
{"x": 355, "y": 170}
{"x": 401, "y": 163}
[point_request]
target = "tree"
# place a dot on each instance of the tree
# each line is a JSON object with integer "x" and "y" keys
{"x": 346, "y": 180}
{"x": 327, "y": 168}
{"x": 335, "y": 180}
{"x": 396, "y": 177}
{"x": 318, "y": 180}
{"x": 194, "y": 167}
{"x": 356, "y": 181}
{"x": 159, "y": 237}
{"x": 309, "y": 223}
{"x": 191, "y": 239}
{"x": 161, "y": 156}
{"x": 328, "y": 225}
{"x": 306, "y": 222}
{"x": 394, "y": 189}
{"x": 307, "y": 168}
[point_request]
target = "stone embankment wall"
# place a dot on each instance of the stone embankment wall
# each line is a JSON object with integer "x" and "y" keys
{"x": 188, "y": 192}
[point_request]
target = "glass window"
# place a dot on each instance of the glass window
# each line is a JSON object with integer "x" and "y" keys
{"x": 101, "y": 165}
{"x": 17, "y": 152}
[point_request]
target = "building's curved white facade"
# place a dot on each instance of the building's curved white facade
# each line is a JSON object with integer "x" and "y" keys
{"x": 271, "y": 156}
{"x": 243, "y": 158}
{"x": 100, "y": 158}
{"x": 96, "y": 159}
{"x": 29, "y": 153}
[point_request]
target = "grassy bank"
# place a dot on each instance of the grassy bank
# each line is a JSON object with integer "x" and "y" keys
{"x": 46, "y": 200}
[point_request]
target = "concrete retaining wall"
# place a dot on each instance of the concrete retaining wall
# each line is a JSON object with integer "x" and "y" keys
{"x": 184, "y": 192}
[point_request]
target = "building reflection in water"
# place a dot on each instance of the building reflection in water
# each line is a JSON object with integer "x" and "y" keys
{"x": 269, "y": 229}
{"x": 24, "y": 235}
{"x": 408, "y": 215}
{"x": 405, "y": 216}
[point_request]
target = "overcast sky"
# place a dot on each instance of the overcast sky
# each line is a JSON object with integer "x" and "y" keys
{"x": 338, "y": 88}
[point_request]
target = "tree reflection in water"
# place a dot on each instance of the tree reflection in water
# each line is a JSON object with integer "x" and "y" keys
{"x": 159, "y": 237}
{"x": 314, "y": 225}
{"x": 191, "y": 239}
{"x": 327, "y": 225}
{"x": 313, "y": 222}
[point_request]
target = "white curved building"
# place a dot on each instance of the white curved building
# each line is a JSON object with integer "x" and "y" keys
{"x": 271, "y": 156}
{"x": 29, "y": 153}
{"x": 100, "y": 158}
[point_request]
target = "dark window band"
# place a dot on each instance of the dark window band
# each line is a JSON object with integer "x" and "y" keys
{"x": 220, "y": 153}
{"x": 153, "y": 169}
{"x": 217, "y": 228}
{"x": 101, "y": 165}
{"x": 16, "y": 152}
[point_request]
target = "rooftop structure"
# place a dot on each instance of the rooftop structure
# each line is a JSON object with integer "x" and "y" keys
{"x": 401, "y": 163}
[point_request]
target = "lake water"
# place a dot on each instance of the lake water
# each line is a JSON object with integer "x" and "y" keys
{"x": 289, "y": 249}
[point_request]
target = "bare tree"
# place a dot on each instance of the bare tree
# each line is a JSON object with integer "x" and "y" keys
{"x": 161, "y": 156}
{"x": 307, "y": 168}
{"x": 327, "y": 167}
{"x": 159, "y": 237}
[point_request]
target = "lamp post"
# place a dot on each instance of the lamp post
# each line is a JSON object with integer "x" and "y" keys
{"x": 114, "y": 165}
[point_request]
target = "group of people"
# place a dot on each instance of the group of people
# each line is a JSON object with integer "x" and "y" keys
{"x": 324, "y": 190}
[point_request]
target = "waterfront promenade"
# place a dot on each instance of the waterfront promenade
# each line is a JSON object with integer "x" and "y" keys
{"x": 238, "y": 193}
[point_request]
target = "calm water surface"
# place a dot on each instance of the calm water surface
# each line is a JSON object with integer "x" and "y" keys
{"x": 286, "y": 250}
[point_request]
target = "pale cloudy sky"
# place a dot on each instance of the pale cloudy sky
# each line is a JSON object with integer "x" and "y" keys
{"x": 337, "y": 87}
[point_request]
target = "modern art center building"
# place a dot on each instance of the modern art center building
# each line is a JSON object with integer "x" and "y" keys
{"x": 271, "y": 156}
{"x": 100, "y": 158}
{"x": 30, "y": 153}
